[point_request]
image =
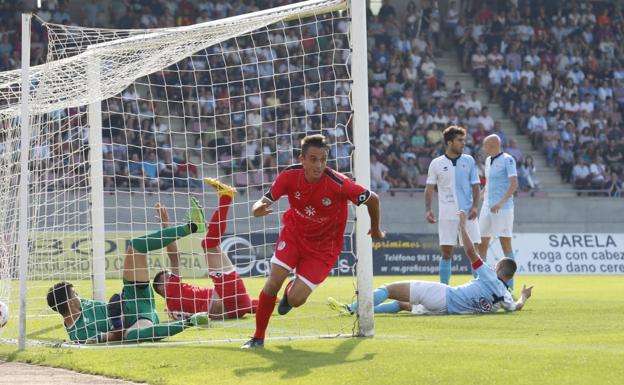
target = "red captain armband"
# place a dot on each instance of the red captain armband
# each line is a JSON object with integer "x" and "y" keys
{"x": 477, "y": 264}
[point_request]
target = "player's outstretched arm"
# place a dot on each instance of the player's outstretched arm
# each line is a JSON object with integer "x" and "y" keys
{"x": 262, "y": 207}
{"x": 526, "y": 294}
{"x": 374, "y": 211}
{"x": 468, "y": 246}
{"x": 172, "y": 249}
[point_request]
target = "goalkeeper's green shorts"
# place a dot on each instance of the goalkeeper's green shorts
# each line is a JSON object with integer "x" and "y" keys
{"x": 138, "y": 303}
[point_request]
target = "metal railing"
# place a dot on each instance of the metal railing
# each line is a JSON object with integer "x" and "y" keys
{"x": 540, "y": 193}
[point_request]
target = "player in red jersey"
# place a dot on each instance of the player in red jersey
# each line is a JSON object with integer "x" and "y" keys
{"x": 312, "y": 236}
{"x": 229, "y": 298}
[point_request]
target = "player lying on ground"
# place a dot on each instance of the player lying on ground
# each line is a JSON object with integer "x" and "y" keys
{"x": 229, "y": 298}
{"x": 311, "y": 239}
{"x": 485, "y": 294}
{"x": 130, "y": 316}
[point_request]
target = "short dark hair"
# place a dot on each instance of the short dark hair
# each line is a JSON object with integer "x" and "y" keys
{"x": 316, "y": 140}
{"x": 451, "y": 132}
{"x": 159, "y": 279}
{"x": 58, "y": 297}
{"x": 508, "y": 267}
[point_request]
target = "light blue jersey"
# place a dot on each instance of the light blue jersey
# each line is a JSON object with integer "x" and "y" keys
{"x": 498, "y": 170}
{"x": 485, "y": 294}
{"x": 454, "y": 178}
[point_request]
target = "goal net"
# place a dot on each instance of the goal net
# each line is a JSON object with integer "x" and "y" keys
{"x": 124, "y": 120}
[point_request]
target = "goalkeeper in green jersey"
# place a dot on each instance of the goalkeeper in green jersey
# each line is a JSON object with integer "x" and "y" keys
{"x": 129, "y": 316}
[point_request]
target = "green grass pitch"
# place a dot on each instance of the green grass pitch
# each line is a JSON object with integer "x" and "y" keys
{"x": 571, "y": 332}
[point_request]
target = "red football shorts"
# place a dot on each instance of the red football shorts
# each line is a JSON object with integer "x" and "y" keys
{"x": 310, "y": 262}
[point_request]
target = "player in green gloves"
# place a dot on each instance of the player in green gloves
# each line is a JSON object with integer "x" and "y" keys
{"x": 131, "y": 315}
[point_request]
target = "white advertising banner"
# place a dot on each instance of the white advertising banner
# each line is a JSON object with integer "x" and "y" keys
{"x": 559, "y": 253}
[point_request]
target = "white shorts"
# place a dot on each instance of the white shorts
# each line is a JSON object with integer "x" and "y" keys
{"x": 448, "y": 231}
{"x": 496, "y": 225}
{"x": 428, "y": 295}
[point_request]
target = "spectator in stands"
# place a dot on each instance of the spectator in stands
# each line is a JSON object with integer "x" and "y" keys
{"x": 412, "y": 17}
{"x": 393, "y": 88}
{"x": 486, "y": 120}
{"x": 434, "y": 135}
{"x": 613, "y": 186}
{"x": 497, "y": 130}
{"x": 394, "y": 174}
{"x": 60, "y": 15}
{"x": 536, "y": 127}
{"x": 514, "y": 151}
{"x": 457, "y": 91}
{"x": 186, "y": 174}
{"x": 386, "y": 11}
{"x": 551, "y": 144}
{"x": 527, "y": 175}
{"x": 452, "y": 18}
{"x": 377, "y": 91}
{"x": 479, "y": 135}
{"x": 496, "y": 77}
{"x": 150, "y": 171}
{"x": 418, "y": 141}
{"x": 474, "y": 103}
{"x": 613, "y": 156}
{"x": 461, "y": 104}
{"x": 379, "y": 172}
{"x": 407, "y": 101}
{"x": 428, "y": 69}
{"x": 566, "y": 161}
{"x": 598, "y": 172}
{"x": 574, "y": 55}
{"x": 440, "y": 119}
{"x": 6, "y": 47}
{"x": 572, "y": 61}
{"x": 471, "y": 120}
{"x": 108, "y": 168}
{"x": 434, "y": 27}
{"x": 581, "y": 175}
{"x": 410, "y": 173}
{"x": 135, "y": 172}
{"x": 387, "y": 137}
{"x": 251, "y": 154}
{"x": 479, "y": 67}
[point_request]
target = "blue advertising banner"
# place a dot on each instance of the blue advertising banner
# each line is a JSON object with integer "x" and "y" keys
{"x": 407, "y": 254}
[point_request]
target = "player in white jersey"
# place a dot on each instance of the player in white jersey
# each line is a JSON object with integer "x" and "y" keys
{"x": 485, "y": 294}
{"x": 456, "y": 176}
{"x": 497, "y": 213}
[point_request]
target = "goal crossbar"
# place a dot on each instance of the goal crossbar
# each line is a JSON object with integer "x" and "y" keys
{"x": 69, "y": 76}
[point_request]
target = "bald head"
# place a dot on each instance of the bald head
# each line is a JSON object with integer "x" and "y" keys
{"x": 492, "y": 145}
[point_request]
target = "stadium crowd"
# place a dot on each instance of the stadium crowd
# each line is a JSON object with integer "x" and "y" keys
{"x": 242, "y": 104}
{"x": 556, "y": 68}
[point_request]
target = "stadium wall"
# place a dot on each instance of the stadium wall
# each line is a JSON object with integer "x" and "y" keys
{"x": 552, "y": 236}
{"x": 406, "y": 214}
{"x": 532, "y": 215}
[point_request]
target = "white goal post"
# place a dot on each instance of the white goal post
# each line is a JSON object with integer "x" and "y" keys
{"x": 102, "y": 87}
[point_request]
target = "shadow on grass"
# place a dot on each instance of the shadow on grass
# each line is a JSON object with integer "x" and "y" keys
{"x": 298, "y": 363}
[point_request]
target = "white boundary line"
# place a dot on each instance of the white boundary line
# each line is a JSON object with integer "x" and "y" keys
{"x": 13, "y": 341}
